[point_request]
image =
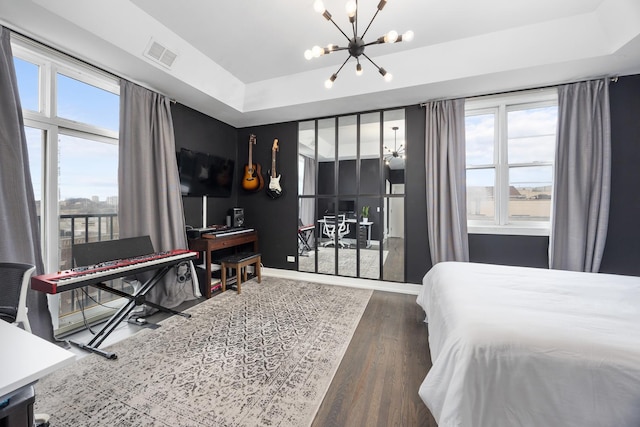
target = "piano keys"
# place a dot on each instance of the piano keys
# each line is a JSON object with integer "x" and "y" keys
{"x": 88, "y": 275}
{"x": 225, "y": 233}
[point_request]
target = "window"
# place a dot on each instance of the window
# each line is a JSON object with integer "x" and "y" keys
{"x": 71, "y": 114}
{"x": 510, "y": 149}
{"x": 28, "y": 84}
{"x": 84, "y": 102}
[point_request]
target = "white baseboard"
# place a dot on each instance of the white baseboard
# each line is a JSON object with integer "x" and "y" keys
{"x": 377, "y": 285}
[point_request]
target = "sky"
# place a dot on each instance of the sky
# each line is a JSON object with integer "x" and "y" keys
{"x": 87, "y": 168}
{"x": 531, "y": 138}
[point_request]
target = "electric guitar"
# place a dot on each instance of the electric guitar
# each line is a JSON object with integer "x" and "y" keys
{"x": 252, "y": 179}
{"x": 274, "y": 190}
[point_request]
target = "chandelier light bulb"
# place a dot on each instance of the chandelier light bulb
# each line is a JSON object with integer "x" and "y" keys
{"x": 351, "y": 8}
{"x": 358, "y": 69}
{"x": 318, "y": 6}
{"x": 329, "y": 83}
{"x": 388, "y": 77}
{"x": 308, "y": 54}
{"x": 391, "y": 36}
{"x": 316, "y": 51}
{"x": 407, "y": 36}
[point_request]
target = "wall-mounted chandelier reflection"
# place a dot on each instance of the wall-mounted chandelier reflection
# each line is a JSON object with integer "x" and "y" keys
{"x": 397, "y": 152}
{"x": 356, "y": 44}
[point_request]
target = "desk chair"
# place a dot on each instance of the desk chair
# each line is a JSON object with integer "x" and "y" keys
{"x": 333, "y": 225}
{"x": 14, "y": 282}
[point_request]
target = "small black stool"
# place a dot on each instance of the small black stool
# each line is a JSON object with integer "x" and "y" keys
{"x": 240, "y": 261}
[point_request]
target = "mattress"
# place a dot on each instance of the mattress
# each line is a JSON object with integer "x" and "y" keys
{"x": 514, "y": 346}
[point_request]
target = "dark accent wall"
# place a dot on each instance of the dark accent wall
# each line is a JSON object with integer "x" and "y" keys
{"x": 275, "y": 219}
{"x": 524, "y": 251}
{"x": 417, "y": 255}
{"x": 199, "y": 132}
{"x": 622, "y": 250}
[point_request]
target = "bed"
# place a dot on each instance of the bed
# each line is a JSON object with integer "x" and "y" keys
{"x": 514, "y": 346}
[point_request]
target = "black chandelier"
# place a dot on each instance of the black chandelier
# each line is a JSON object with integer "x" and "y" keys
{"x": 356, "y": 43}
{"x": 397, "y": 152}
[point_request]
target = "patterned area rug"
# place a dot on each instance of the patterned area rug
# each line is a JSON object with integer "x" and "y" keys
{"x": 264, "y": 357}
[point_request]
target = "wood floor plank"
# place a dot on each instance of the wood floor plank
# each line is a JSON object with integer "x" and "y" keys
{"x": 378, "y": 379}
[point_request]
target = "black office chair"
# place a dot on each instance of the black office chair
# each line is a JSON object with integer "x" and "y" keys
{"x": 14, "y": 282}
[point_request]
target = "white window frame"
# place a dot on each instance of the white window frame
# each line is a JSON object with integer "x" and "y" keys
{"x": 501, "y": 105}
{"x": 52, "y": 63}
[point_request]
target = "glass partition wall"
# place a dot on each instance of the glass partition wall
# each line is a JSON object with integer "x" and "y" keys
{"x": 351, "y": 195}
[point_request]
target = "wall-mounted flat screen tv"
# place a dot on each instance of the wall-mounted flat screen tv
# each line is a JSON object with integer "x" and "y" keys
{"x": 203, "y": 174}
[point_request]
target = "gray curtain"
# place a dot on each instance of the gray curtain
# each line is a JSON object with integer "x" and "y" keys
{"x": 582, "y": 177}
{"x": 19, "y": 229}
{"x": 149, "y": 198}
{"x": 446, "y": 181}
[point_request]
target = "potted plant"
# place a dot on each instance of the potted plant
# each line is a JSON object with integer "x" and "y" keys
{"x": 365, "y": 214}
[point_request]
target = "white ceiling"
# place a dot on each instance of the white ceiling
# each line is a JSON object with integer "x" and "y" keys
{"x": 242, "y": 61}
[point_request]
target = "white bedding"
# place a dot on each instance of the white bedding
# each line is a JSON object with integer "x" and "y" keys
{"x": 515, "y": 346}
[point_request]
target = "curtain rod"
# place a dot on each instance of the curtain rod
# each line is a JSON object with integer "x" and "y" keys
{"x": 31, "y": 40}
{"x": 613, "y": 79}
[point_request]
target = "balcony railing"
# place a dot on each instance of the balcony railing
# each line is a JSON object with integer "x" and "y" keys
{"x": 77, "y": 229}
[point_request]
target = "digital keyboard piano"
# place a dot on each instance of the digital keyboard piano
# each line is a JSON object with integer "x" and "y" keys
{"x": 88, "y": 275}
{"x": 102, "y": 268}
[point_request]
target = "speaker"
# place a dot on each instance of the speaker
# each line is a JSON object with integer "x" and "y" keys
{"x": 237, "y": 217}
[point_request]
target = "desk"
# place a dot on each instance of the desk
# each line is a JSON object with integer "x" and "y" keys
{"x": 210, "y": 243}
{"x": 366, "y": 224}
{"x": 25, "y": 358}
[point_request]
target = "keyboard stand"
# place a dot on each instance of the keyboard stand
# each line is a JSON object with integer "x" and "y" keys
{"x": 135, "y": 299}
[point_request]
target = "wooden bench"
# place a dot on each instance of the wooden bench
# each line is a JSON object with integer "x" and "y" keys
{"x": 240, "y": 262}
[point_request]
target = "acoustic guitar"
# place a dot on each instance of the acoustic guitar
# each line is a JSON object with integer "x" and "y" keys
{"x": 252, "y": 179}
{"x": 274, "y": 190}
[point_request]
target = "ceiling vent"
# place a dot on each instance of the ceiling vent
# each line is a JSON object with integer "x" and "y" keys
{"x": 160, "y": 54}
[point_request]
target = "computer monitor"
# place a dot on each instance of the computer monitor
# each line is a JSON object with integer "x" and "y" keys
{"x": 344, "y": 207}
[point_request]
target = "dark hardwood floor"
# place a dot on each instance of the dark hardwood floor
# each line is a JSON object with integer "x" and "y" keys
{"x": 378, "y": 379}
